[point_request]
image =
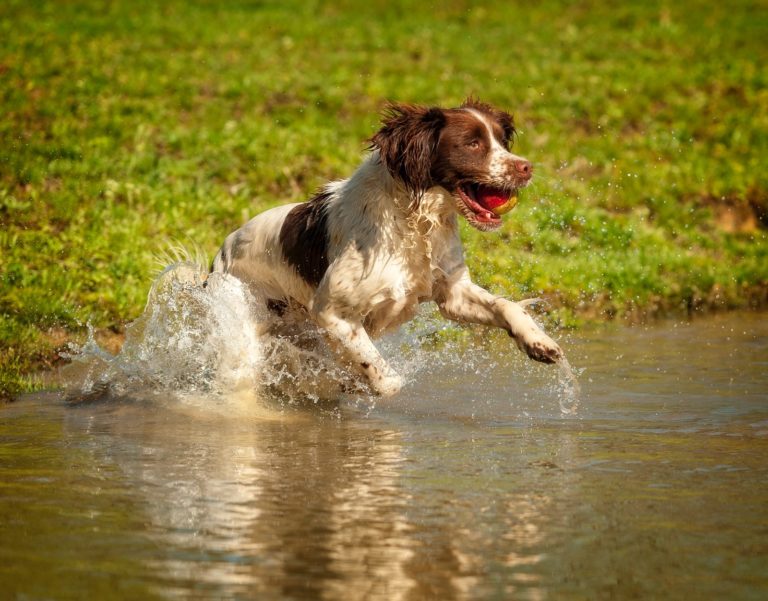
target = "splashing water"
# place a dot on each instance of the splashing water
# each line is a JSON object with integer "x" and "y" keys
{"x": 570, "y": 390}
{"x": 420, "y": 353}
{"x": 189, "y": 339}
{"x": 202, "y": 336}
{"x": 206, "y": 336}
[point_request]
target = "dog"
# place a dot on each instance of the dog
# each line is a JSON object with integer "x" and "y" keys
{"x": 357, "y": 259}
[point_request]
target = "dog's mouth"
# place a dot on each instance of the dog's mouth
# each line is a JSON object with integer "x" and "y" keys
{"x": 483, "y": 205}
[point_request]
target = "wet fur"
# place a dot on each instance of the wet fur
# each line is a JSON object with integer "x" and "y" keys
{"x": 357, "y": 259}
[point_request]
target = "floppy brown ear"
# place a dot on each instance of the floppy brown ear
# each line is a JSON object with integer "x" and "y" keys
{"x": 407, "y": 143}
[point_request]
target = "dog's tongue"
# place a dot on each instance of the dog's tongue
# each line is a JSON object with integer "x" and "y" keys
{"x": 490, "y": 198}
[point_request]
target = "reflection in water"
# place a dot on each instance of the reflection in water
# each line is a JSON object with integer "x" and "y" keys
{"x": 469, "y": 485}
{"x": 298, "y": 501}
{"x": 324, "y": 507}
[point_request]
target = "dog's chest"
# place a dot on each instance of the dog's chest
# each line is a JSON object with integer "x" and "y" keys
{"x": 396, "y": 303}
{"x": 407, "y": 281}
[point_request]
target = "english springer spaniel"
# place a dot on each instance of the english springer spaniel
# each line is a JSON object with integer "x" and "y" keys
{"x": 358, "y": 258}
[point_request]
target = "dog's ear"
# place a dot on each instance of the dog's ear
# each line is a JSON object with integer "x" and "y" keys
{"x": 407, "y": 144}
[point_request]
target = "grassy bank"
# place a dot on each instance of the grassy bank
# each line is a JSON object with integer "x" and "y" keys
{"x": 128, "y": 125}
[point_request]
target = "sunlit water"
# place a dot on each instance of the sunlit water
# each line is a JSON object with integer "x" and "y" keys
{"x": 470, "y": 484}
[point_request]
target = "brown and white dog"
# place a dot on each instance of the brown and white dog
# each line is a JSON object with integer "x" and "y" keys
{"x": 358, "y": 258}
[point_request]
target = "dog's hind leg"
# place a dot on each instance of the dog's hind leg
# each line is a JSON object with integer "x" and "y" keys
{"x": 301, "y": 364}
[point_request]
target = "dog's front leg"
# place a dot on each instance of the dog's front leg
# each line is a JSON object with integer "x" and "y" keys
{"x": 351, "y": 343}
{"x": 463, "y": 300}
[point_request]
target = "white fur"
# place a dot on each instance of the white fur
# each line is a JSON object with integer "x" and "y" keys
{"x": 384, "y": 259}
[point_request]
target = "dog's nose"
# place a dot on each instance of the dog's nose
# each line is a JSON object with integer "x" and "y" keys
{"x": 524, "y": 168}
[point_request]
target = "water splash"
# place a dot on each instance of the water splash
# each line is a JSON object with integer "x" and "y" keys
{"x": 439, "y": 353}
{"x": 569, "y": 393}
{"x": 189, "y": 339}
{"x": 203, "y": 338}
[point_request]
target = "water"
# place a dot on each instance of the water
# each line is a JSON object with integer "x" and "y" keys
{"x": 470, "y": 484}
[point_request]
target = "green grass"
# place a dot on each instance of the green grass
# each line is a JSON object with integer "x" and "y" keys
{"x": 126, "y": 126}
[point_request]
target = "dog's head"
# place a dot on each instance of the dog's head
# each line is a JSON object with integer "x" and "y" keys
{"x": 464, "y": 150}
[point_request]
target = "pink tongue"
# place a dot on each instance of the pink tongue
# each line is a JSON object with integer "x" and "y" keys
{"x": 491, "y": 198}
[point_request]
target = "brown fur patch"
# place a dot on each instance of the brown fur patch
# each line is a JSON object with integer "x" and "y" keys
{"x": 501, "y": 122}
{"x": 427, "y": 146}
{"x": 455, "y": 161}
{"x": 304, "y": 238}
{"x": 278, "y": 307}
{"x": 407, "y": 143}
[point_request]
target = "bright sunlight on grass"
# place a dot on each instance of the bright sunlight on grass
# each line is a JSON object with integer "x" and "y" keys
{"x": 126, "y": 126}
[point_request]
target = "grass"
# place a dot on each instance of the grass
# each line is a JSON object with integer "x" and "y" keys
{"x": 127, "y": 126}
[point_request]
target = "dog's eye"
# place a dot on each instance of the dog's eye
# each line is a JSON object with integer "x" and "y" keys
{"x": 474, "y": 144}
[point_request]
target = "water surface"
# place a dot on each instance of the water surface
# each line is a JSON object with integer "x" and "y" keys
{"x": 470, "y": 484}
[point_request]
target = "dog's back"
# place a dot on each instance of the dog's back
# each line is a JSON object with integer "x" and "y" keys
{"x": 253, "y": 254}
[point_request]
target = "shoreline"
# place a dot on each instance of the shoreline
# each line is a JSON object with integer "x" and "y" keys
{"x": 42, "y": 375}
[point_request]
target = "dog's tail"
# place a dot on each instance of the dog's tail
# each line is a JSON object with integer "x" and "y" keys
{"x": 189, "y": 254}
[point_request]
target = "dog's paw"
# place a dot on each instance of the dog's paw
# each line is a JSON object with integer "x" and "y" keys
{"x": 541, "y": 348}
{"x": 385, "y": 385}
{"x": 382, "y": 379}
{"x": 388, "y": 385}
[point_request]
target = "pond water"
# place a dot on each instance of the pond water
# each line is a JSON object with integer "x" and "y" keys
{"x": 470, "y": 484}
